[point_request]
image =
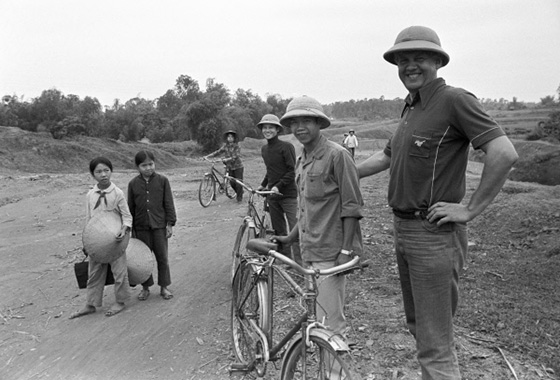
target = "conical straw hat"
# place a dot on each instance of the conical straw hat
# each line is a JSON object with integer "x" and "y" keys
{"x": 139, "y": 260}
{"x": 99, "y": 237}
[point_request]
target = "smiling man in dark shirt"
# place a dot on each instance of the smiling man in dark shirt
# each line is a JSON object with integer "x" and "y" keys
{"x": 428, "y": 156}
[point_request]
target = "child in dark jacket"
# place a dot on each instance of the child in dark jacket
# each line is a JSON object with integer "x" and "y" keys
{"x": 151, "y": 203}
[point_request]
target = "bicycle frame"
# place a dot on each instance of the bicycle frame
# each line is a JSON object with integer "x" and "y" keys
{"x": 218, "y": 176}
{"x": 255, "y": 219}
{"x": 307, "y": 325}
{"x": 214, "y": 182}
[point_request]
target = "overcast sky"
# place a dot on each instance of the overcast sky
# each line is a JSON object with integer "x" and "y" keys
{"x": 331, "y": 50}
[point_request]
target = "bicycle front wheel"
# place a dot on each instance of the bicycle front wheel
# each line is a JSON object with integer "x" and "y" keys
{"x": 206, "y": 191}
{"x": 244, "y": 234}
{"x": 249, "y": 302}
{"x": 321, "y": 362}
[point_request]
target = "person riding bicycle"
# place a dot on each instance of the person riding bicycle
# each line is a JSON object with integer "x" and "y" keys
{"x": 232, "y": 160}
{"x": 330, "y": 206}
{"x": 279, "y": 158}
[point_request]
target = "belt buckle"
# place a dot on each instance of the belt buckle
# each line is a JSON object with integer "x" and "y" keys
{"x": 420, "y": 214}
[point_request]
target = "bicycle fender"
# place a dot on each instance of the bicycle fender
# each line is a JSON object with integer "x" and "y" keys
{"x": 335, "y": 340}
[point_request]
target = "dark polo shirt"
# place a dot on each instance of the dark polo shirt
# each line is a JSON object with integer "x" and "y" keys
{"x": 429, "y": 150}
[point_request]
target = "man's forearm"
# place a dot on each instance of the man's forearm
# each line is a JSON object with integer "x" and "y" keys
{"x": 500, "y": 157}
{"x": 376, "y": 163}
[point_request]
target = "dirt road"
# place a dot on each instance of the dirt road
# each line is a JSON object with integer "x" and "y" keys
{"x": 184, "y": 338}
{"x": 41, "y": 221}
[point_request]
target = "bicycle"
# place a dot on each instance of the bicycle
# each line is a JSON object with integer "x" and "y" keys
{"x": 255, "y": 224}
{"x": 207, "y": 187}
{"x": 310, "y": 349}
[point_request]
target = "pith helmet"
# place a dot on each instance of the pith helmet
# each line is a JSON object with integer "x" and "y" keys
{"x": 417, "y": 38}
{"x": 230, "y": 131}
{"x": 305, "y": 106}
{"x": 269, "y": 119}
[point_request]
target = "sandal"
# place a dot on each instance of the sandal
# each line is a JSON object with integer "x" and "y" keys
{"x": 166, "y": 294}
{"x": 144, "y": 294}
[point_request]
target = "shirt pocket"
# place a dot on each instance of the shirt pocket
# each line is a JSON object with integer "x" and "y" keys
{"x": 421, "y": 145}
{"x": 314, "y": 186}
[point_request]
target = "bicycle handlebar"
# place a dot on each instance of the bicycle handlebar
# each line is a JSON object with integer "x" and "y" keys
{"x": 209, "y": 160}
{"x": 265, "y": 247}
{"x": 250, "y": 189}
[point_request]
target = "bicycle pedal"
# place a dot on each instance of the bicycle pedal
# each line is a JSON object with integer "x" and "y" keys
{"x": 238, "y": 369}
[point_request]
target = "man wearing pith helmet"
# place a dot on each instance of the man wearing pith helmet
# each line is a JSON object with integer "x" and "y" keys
{"x": 330, "y": 205}
{"x": 280, "y": 158}
{"x": 428, "y": 155}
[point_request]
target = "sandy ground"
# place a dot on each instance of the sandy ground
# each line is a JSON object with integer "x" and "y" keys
{"x": 154, "y": 339}
{"x": 188, "y": 337}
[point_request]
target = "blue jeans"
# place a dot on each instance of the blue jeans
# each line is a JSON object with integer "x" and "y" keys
{"x": 430, "y": 259}
{"x": 284, "y": 210}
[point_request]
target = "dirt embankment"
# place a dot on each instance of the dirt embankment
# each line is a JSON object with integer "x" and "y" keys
{"x": 40, "y": 152}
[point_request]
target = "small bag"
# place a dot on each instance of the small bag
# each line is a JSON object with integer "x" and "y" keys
{"x": 82, "y": 274}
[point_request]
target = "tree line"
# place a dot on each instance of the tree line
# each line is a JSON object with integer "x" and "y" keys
{"x": 184, "y": 112}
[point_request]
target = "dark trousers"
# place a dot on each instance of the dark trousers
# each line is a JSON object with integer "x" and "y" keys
{"x": 156, "y": 240}
{"x": 284, "y": 210}
{"x": 237, "y": 173}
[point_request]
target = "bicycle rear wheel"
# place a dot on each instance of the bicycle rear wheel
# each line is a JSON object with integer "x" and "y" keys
{"x": 244, "y": 234}
{"x": 250, "y": 302}
{"x": 206, "y": 190}
{"x": 322, "y": 362}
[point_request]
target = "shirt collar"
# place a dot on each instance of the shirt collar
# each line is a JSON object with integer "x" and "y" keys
{"x": 425, "y": 93}
{"x": 273, "y": 140}
{"x": 317, "y": 153}
{"x": 107, "y": 190}
{"x": 149, "y": 179}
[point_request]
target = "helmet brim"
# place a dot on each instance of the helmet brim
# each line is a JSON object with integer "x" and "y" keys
{"x": 260, "y": 125}
{"x": 307, "y": 112}
{"x": 418, "y": 45}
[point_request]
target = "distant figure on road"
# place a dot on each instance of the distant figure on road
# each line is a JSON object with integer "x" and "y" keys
{"x": 232, "y": 160}
{"x": 344, "y": 139}
{"x": 428, "y": 156}
{"x": 351, "y": 142}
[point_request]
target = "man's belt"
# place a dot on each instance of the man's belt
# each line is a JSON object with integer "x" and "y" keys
{"x": 411, "y": 214}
